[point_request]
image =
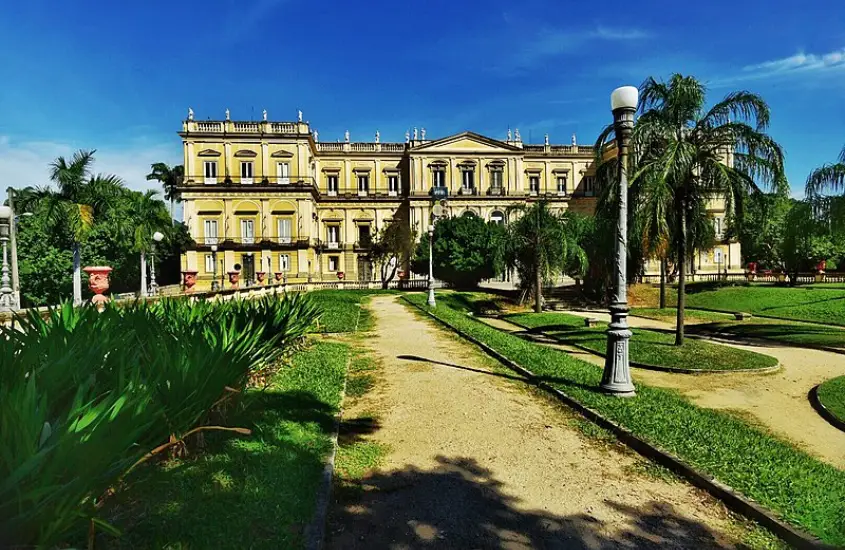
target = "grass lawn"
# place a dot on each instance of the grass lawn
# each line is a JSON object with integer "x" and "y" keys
{"x": 785, "y": 332}
{"x": 646, "y": 346}
{"x": 341, "y": 310}
{"x": 779, "y": 476}
{"x": 255, "y": 491}
{"x": 832, "y": 396}
{"x": 819, "y": 305}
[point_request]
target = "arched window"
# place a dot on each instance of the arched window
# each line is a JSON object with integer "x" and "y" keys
{"x": 497, "y": 217}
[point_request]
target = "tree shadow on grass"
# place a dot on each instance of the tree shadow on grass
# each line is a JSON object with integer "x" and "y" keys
{"x": 775, "y": 334}
{"x": 459, "y": 504}
{"x": 256, "y": 491}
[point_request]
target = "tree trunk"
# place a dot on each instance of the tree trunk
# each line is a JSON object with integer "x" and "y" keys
{"x": 538, "y": 290}
{"x": 171, "y": 210}
{"x": 77, "y": 275}
{"x": 663, "y": 283}
{"x": 682, "y": 275}
{"x": 143, "y": 274}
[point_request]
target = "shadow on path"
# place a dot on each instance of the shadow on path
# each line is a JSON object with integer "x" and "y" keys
{"x": 547, "y": 379}
{"x": 458, "y": 504}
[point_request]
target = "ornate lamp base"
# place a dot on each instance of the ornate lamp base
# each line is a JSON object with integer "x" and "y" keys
{"x": 617, "y": 369}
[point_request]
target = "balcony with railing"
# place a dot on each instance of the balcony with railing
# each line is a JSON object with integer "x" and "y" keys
{"x": 328, "y": 246}
{"x": 256, "y": 241}
{"x": 363, "y": 245}
{"x": 245, "y": 127}
{"x": 286, "y": 183}
{"x": 359, "y": 147}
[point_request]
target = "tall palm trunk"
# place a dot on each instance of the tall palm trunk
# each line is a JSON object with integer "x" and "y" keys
{"x": 663, "y": 282}
{"x": 143, "y": 273}
{"x": 682, "y": 274}
{"x": 77, "y": 275}
{"x": 171, "y": 209}
{"x": 538, "y": 289}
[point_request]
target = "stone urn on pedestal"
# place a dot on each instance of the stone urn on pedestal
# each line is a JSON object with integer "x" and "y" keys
{"x": 278, "y": 276}
{"x": 234, "y": 278}
{"x": 189, "y": 279}
{"x": 98, "y": 282}
{"x": 259, "y": 275}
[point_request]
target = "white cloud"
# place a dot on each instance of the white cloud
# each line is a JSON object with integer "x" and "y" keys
{"x": 24, "y": 163}
{"x": 800, "y": 65}
{"x": 548, "y": 43}
{"x": 608, "y": 33}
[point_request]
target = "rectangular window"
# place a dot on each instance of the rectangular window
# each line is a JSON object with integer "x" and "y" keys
{"x": 534, "y": 184}
{"x": 334, "y": 263}
{"x": 717, "y": 227}
{"x": 246, "y": 172}
{"x": 333, "y": 236}
{"x": 210, "y": 171}
{"x": 248, "y": 231}
{"x": 468, "y": 179}
{"x": 496, "y": 179}
{"x": 209, "y": 263}
{"x": 331, "y": 184}
{"x": 589, "y": 185}
{"x": 284, "y": 228}
{"x": 439, "y": 176}
{"x": 284, "y": 262}
{"x": 210, "y": 231}
{"x": 561, "y": 185}
{"x": 364, "y": 235}
{"x": 363, "y": 184}
{"x": 393, "y": 185}
{"x": 283, "y": 172}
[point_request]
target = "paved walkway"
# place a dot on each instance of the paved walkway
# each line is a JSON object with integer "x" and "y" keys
{"x": 478, "y": 461}
{"x": 776, "y": 400}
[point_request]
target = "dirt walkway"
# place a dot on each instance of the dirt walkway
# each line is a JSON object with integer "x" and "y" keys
{"x": 477, "y": 461}
{"x": 777, "y": 400}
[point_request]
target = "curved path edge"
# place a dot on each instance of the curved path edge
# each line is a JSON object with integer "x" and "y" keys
{"x": 731, "y": 498}
{"x": 823, "y": 411}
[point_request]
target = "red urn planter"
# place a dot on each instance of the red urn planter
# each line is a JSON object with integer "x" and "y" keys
{"x": 278, "y": 275}
{"x": 341, "y": 275}
{"x": 189, "y": 279}
{"x": 98, "y": 282}
{"x": 234, "y": 278}
{"x": 260, "y": 276}
{"x": 821, "y": 266}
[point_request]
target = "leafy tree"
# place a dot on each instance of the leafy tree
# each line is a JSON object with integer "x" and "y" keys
{"x": 147, "y": 217}
{"x": 807, "y": 239}
{"x": 830, "y": 177}
{"x": 79, "y": 199}
{"x": 170, "y": 179}
{"x": 762, "y": 228}
{"x": 693, "y": 155}
{"x": 392, "y": 247}
{"x": 538, "y": 246}
{"x": 466, "y": 250}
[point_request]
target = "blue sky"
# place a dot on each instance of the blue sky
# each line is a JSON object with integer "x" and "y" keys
{"x": 120, "y": 76}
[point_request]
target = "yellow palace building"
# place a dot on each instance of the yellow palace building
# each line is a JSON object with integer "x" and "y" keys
{"x": 270, "y": 197}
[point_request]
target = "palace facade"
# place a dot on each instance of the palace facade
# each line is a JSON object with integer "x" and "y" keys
{"x": 269, "y": 197}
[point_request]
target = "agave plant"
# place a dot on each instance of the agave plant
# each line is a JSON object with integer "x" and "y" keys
{"x": 87, "y": 396}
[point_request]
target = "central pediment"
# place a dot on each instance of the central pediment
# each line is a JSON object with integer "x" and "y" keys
{"x": 466, "y": 142}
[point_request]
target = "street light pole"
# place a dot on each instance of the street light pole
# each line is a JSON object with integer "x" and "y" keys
{"x": 431, "y": 302}
{"x": 616, "y": 378}
{"x": 157, "y": 237}
{"x": 16, "y": 287}
{"x": 214, "y": 284}
{"x": 7, "y": 300}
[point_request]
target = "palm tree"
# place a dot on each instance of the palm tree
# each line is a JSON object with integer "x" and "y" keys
{"x": 170, "y": 178}
{"x": 79, "y": 198}
{"x": 148, "y": 215}
{"x": 536, "y": 245}
{"x": 830, "y": 177}
{"x": 687, "y": 156}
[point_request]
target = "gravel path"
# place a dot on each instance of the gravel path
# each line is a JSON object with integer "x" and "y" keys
{"x": 479, "y": 461}
{"x": 776, "y": 400}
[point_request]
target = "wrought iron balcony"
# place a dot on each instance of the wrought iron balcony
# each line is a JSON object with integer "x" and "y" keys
{"x": 497, "y": 191}
{"x": 292, "y": 183}
{"x": 270, "y": 241}
{"x": 363, "y": 244}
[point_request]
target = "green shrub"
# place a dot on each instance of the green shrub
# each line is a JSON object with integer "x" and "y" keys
{"x": 84, "y": 396}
